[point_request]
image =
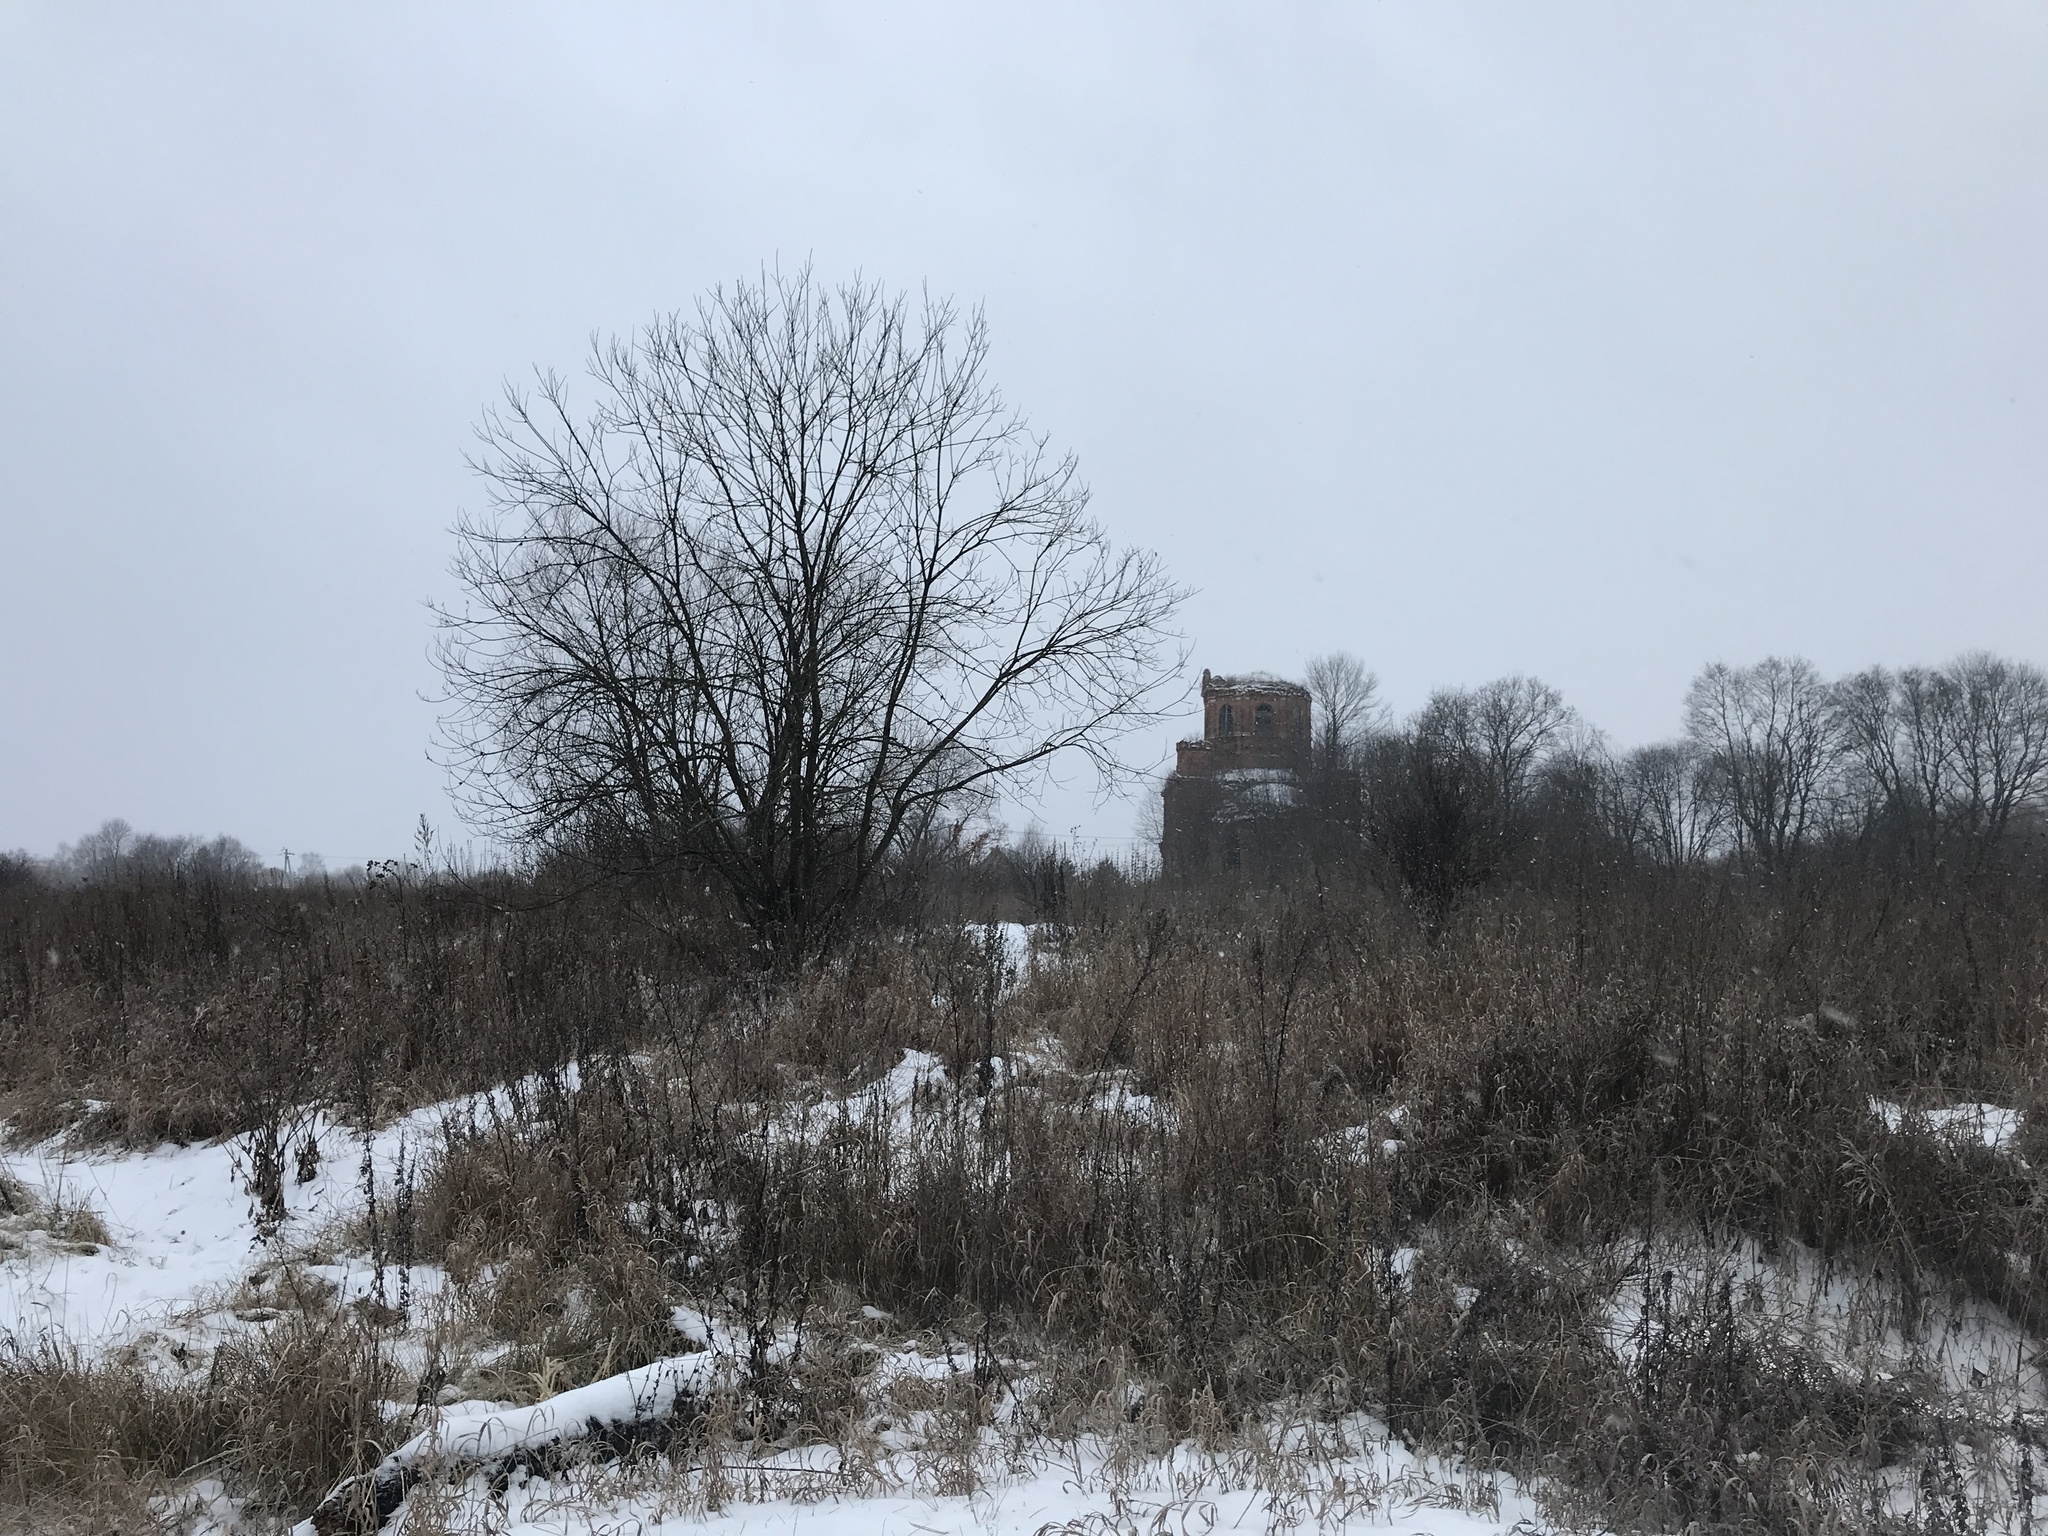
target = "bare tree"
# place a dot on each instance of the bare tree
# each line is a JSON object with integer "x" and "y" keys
{"x": 1347, "y": 708}
{"x": 1665, "y": 804}
{"x": 799, "y": 583}
{"x": 1770, "y": 733}
{"x": 117, "y": 853}
{"x": 1449, "y": 797}
{"x": 1431, "y": 804}
{"x": 2001, "y": 739}
{"x": 1896, "y": 729}
{"x": 18, "y": 871}
{"x": 223, "y": 858}
{"x": 1567, "y": 802}
{"x": 1949, "y": 755}
{"x": 1516, "y": 721}
{"x": 99, "y": 857}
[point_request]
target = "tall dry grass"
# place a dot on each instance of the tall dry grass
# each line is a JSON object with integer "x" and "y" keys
{"x": 1215, "y": 1148}
{"x": 280, "y": 1414}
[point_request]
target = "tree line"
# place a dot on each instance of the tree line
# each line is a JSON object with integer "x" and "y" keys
{"x": 115, "y": 854}
{"x": 1923, "y": 764}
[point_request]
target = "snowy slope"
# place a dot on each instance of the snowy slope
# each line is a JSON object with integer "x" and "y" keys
{"x": 184, "y": 1231}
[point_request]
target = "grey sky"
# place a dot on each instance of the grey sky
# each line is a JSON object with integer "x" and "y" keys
{"x": 1594, "y": 342}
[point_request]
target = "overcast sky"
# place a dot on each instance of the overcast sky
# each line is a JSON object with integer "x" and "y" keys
{"x": 1594, "y": 342}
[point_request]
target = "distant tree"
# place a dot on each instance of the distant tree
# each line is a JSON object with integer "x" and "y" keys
{"x": 1431, "y": 804}
{"x": 1566, "y": 800}
{"x": 18, "y": 871}
{"x": 2001, "y": 743}
{"x": 1896, "y": 729}
{"x": 798, "y": 585}
{"x": 99, "y": 856}
{"x": 154, "y": 858}
{"x": 1664, "y": 804}
{"x": 1516, "y": 722}
{"x": 1452, "y": 795}
{"x": 1345, "y": 698}
{"x": 117, "y": 854}
{"x": 1770, "y": 734}
{"x": 1948, "y": 756}
{"x": 1039, "y": 872}
{"x": 225, "y": 859}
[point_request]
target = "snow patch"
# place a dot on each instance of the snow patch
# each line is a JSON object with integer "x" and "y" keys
{"x": 185, "y": 1230}
{"x": 1350, "y": 1475}
{"x": 1990, "y": 1125}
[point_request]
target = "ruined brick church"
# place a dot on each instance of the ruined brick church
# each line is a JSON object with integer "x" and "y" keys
{"x": 1235, "y": 794}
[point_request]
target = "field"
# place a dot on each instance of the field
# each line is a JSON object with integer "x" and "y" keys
{"x": 1069, "y": 1199}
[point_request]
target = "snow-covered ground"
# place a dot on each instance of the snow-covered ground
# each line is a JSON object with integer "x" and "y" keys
{"x": 1017, "y": 940}
{"x": 187, "y": 1260}
{"x": 187, "y": 1257}
{"x": 1374, "y": 1484}
{"x": 184, "y": 1230}
{"x": 1957, "y": 1352}
{"x": 1989, "y": 1124}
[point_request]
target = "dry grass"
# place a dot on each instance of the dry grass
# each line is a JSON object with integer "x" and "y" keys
{"x": 57, "y": 1218}
{"x": 188, "y": 1011}
{"x": 280, "y": 1413}
{"x": 1561, "y": 1089}
{"x": 1156, "y": 1170}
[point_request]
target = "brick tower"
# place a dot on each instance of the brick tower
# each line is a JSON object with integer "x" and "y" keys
{"x": 1232, "y": 792}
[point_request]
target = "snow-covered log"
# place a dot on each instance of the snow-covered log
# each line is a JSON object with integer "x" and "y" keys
{"x": 634, "y": 1407}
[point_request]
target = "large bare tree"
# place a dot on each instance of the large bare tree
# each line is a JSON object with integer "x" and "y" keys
{"x": 798, "y": 582}
{"x": 1518, "y": 721}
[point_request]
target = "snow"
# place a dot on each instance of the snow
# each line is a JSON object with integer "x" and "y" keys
{"x": 184, "y": 1231}
{"x": 1350, "y": 1476}
{"x": 202, "y": 1508}
{"x": 1016, "y": 940}
{"x": 493, "y": 1462}
{"x": 1013, "y": 941}
{"x": 1990, "y": 1124}
{"x": 179, "y": 1221}
{"x": 491, "y": 1435}
{"x": 1049, "y": 1505}
{"x": 1864, "y": 1325}
{"x": 890, "y": 1103}
{"x": 1356, "y": 1143}
{"x": 1118, "y": 1099}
